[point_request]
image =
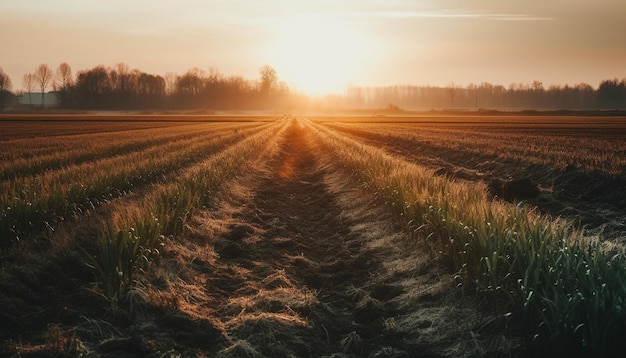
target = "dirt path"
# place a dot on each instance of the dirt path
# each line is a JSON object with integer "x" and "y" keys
{"x": 306, "y": 265}
{"x": 298, "y": 261}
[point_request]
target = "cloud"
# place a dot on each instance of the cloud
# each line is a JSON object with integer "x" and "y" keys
{"x": 458, "y": 13}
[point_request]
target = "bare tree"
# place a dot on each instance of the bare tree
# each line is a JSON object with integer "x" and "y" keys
{"x": 5, "y": 86}
{"x": 93, "y": 87}
{"x": 28, "y": 81}
{"x": 63, "y": 77}
{"x": 170, "y": 83}
{"x": 63, "y": 80}
{"x": 191, "y": 83}
{"x": 43, "y": 76}
{"x": 451, "y": 91}
{"x": 473, "y": 87}
{"x": 5, "y": 81}
{"x": 121, "y": 76}
{"x": 213, "y": 75}
{"x": 189, "y": 88}
{"x": 269, "y": 79}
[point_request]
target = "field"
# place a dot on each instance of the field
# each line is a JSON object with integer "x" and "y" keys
{"x": 458, "y": 236}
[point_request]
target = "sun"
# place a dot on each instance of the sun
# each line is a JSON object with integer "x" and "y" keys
{"x": 318, "y": 55}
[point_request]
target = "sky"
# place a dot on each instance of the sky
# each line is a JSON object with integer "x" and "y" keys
{"x": 324, "y": 46}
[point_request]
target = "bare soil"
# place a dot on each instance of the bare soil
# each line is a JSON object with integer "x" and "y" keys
{"x": 293, "y": 261}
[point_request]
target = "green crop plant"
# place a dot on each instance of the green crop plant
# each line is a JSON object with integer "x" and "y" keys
{"x": 33, "y": 203}
{"x": 120, "y": 256}
{"x": 505, "y": 142}
{"x": 172, "y": 204}
{"x": 123, "y": 253}
{"x": 42, "y": 154}
{"x": 165, "y": 210}
{"x": 568, "y": 294}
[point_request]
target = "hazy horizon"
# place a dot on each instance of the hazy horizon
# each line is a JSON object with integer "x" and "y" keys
{"x": 325, "y": 46}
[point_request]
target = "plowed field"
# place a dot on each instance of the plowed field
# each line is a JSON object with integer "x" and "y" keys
{"x": 285, "y": 253}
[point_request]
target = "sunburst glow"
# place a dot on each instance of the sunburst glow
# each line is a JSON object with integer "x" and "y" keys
{"x": 318, "y": 55}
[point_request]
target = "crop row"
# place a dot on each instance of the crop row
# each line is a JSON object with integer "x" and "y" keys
{"x": 49, "y": 138}
{"x": 39, "y": 126}
{"x": 564, "y": 289}
{"x": 46, "y": 124}
{"x": 32, "y": 204}
{"x": 530, "y": 144}
{"x": 135, "y": 229}
{"x": 30, "y": 157}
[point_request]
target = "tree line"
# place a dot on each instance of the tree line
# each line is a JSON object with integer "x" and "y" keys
{"x": 610, "y": 94}
{"x": 122, "y": 88}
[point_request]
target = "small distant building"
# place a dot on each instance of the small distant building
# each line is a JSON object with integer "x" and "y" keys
{"x": 50, "y": 99}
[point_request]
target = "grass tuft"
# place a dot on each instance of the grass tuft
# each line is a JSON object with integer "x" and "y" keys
{"x": 568, "y": 294}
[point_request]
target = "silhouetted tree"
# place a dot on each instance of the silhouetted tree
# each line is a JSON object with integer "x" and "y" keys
{"x": 582, "y": 95}
{"x": 120, "y": 87}
{"x": 170, "y": 83}
{"x": 452, "y": 93}
{"x": 150, "y": 90}
{"x": 212, "y": 93}
{"x": 43, "y": 76}
{"x": 28, "y": 81}
{"x": 120, "y": 76}
{"x": 189, "y": 86}
{"x": 269, "y": 79}
{"x": 93, "y": 87}
{"x": 63, "y": 81}
{"x": 485, "y": 95}
{"x": 473, "y": 89}
{"x": 5, "y": 87}
{"x": 536, "y": 95}
{"x": 121, "y": 82}
{"x": 237, "y": 93}
{"x": 612, "y": 94}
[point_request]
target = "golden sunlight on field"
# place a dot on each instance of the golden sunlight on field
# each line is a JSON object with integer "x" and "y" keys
{"x": 227, "y": 236}
{"x": 287, "y": 168}
{"x": 318, "y": 55}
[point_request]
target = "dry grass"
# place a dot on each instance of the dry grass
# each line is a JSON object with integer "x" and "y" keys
{"x": 36, "y": 204}
{"x": 567, "y": 293}
{"x": 595, "y": 144}
{"x": 313, "y": 244}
